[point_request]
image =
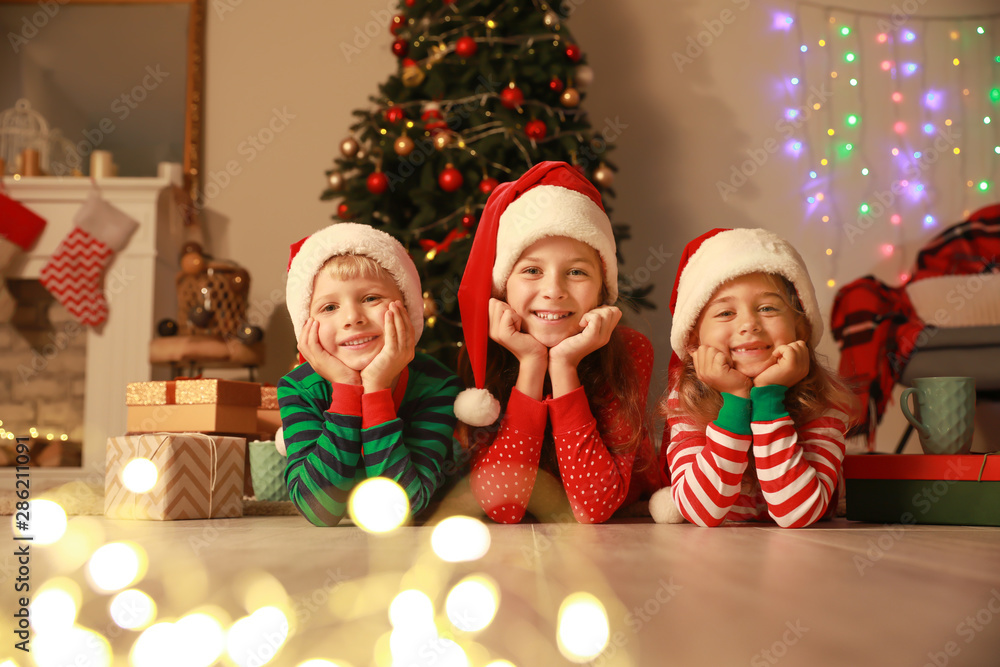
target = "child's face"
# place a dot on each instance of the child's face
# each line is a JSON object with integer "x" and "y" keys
{"x": 747, "y": 318}
{"x": 351, "y": 315}
{"x": 553, "y": 283}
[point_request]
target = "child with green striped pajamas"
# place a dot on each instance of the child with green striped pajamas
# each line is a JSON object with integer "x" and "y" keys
{"x": 364, "y": 404}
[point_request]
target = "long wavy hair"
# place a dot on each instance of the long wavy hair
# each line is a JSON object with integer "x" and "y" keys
{"x": 609, "y": 378}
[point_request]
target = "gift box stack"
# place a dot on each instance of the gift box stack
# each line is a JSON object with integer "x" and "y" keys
{"x": 960, "y": 489}
{"x": 194, "y": 433}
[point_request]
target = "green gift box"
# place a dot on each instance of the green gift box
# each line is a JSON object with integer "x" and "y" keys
{"x": 267, "y": 471}
{"x": 961, "y": 490}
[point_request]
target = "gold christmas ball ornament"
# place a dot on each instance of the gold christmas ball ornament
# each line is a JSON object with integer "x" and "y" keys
{"x": 430, "y": 306}
{"x": 336, "y": 181}
{"x": 442, "y": 140}
{"x": 240, "y": 281}
{"x": 570, "y": 98}
{"x": 603, "y": 176}
{"x": 193, "y": 263}
{"x": 413, "y": 76}
{"x": 403, "y": 146}
{"x": 361, "y": 155}
{"x": 551, "y": 19}
{"x": 349, "y": 147}
{"x": 584, "y": 76}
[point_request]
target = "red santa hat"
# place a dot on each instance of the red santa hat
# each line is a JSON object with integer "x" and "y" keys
{"x": 723, "y": 254}
{"x": 550, "y": 199}
{"x": 309, "y": 255}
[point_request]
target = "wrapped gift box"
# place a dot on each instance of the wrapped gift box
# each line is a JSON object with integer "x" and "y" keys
{"x": 198, "y": 477}
{"x": 267, "y": 468}
{"x": 959, "y": 490}
{"x": 205, "y": 406}
{"x": 268, "y": 416}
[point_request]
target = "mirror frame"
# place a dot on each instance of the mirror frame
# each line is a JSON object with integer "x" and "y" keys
{"x": 195, "y": 95}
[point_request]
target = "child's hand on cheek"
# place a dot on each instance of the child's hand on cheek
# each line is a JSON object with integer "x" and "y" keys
{"x": 505, "y": 328}
{"x": 791, "y": 366}
{"x": 397, "y": 350}
{"x": 716, "y": 370}
{"x": 597, "y": 327}
{"x": 329, "y": 367}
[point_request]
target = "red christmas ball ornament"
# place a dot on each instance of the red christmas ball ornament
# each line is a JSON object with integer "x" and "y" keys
{"x": 450, "y": 179}
{"x": 556, "y": 85}
{"x": 377, "y": 183}
{"x": 394, "y": 114}
{"x": 574, "y": 53}
{"x": 343, "y": 212}
{"x": 487, "y": 185}
{"x": 468, "y": 220}
{"x": 511, "y": 98}
{"x": 536, "y": 129}
{"x": 400, "y": 48}
{"x": 410, "y": 3}
{"x": 466, "y": 47}
{"x": 397, "y": 24}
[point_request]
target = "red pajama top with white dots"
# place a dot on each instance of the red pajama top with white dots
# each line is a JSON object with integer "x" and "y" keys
{"x": 597, "y": 481}
{"x": 798, "y": 467}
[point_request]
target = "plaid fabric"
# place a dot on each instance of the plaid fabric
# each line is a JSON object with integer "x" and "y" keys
{"x": 876, "y": 325}
{"x": 877, "y": 330}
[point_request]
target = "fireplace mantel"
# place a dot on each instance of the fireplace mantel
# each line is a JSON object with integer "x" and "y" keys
{"x": 139, "y": 287}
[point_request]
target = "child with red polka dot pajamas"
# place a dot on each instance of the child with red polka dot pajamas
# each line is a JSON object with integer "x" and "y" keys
{"x": 537, "y": 302}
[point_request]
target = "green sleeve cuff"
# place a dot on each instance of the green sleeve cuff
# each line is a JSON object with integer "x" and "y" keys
{"x": 734, "y": 416}
{"x": 768, "y": 402}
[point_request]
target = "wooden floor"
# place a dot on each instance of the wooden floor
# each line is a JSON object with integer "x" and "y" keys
{"x": 839, "y": 594}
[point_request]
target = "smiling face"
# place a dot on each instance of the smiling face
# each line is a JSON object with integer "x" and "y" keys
{"x": 747, "y": 318}
{"x": 350, "y": 297}
{"x": 553, "y": 283}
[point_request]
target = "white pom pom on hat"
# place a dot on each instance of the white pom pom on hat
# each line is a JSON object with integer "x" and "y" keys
{"x": 550, "y": 199}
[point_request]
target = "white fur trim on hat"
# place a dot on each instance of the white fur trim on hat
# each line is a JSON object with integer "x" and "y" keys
{"x": 552, "y": 210}
{"x": 477, "y": 407}
{"x": 351, "y": 238}
{"x": 731, "y": 254}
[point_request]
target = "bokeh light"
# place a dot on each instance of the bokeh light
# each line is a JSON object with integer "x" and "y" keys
{"x": 320, "y": 662}
{"x": 116, "y": 565}
{"x": 196, "y": 640}
{"x": 583, "y": 627}
{"x": 472, "y": 604}
{"x": 460, "y": 538}
{"x": 71, "y": 646}
{"x": 139, "y": 475}
{"x": 255, "y": 639}
{"x": 46, "y": 522}
{"x": 411, "y": 607}
{"x": 132, "y": 609}
{"x": 378, "y": 505}
{"x": 53, "y": 610}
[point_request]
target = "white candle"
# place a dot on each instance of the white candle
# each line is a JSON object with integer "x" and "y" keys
{"x": 101, "y": 165}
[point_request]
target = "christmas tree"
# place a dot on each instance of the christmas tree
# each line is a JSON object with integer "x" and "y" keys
{"x": 484, "y": 90}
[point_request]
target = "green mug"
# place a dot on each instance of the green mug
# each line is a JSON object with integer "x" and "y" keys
{"x": 943, "y": 414}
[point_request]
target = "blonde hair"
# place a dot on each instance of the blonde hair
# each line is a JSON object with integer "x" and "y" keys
{"x": 809, "y": 399}
{"x": 350, "y": 266}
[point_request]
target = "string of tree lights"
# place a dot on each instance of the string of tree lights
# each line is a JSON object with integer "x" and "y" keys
{"x": 484, "y": 90}
{"x": 903, "y": 139}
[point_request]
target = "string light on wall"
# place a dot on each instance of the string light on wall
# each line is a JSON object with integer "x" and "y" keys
{"x": 904, "y": 140}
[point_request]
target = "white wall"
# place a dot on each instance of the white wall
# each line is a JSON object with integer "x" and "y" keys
{"x": 283, "y": 66}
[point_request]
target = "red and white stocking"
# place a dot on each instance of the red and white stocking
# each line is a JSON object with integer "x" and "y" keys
{"x": 75, "y": 271}
{"x": 19, "y": 229}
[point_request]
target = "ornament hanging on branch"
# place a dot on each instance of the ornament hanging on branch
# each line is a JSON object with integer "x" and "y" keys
{"x": 336, "y": 181}
{"x": 403, "y": 146}
{"x": 573, "y": 52}
{"x": 400, "y": 48}
{"x": 570, "y": 98}
{"x": 536, "y": 130}
{"x": 450, "y": 179}
{"x": 343, "y": 212}
{"x": 487, "y": 185}
{"x": 466, "y": 47}
{"x": 511, "y": 97}
{"x": 604, "y": 176}
{"x": 349, "y": 147}
{"x": 395, "y": 114}
{"x": 413, "y": 74}
{"x": 377, "y": 183}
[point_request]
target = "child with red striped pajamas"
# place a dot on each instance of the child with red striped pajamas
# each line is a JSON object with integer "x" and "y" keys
{"x": 755, "y": 425}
